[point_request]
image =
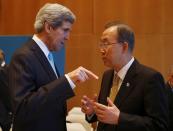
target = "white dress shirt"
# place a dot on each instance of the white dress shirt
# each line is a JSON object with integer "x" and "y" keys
{"x": 123, "y": 71}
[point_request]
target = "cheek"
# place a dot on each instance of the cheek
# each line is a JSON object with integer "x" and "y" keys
{"x": 60, "y": 34}
{"x": 171, "y": 79}
{"x": 57, "y": 39}
{"x": 109, "y": 59}
{"x": 115, "y": 56}
{"x": 57, "y": 35}
{"x": 112, "y": 54}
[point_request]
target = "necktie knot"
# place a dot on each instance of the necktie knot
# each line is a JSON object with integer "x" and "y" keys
{"x": 116, "y": 80}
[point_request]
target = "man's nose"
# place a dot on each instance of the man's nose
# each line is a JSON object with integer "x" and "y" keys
{"x": 67, "y": 35}
{"x": 102, "y": 51}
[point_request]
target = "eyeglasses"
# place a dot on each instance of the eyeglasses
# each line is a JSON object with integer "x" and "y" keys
{"x": 105, "y": 44}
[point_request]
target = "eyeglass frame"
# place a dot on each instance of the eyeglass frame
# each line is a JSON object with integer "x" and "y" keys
{"x": 105, "y": 44}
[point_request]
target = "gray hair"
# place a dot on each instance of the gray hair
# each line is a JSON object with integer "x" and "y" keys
{"x": 55, "y": 14}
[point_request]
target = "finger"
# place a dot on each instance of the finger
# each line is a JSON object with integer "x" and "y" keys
{"x": 84, "y": 107}
{"x": 83, "y": 110}
{"x": 89, "y": 73}
{"x": 100, "y": 106}
{"x": 95, "y": 98}
{"x": 99, "y": 112}
{"x": 83, "y": 102}
{"x": 84, "y": 96}
{"x": 110, "y": 103}
{"x": 87, "y": 99}
{"x": 84, "y": 75}
{"x": 81, "y": 76}
{"x": 100, "y": 117}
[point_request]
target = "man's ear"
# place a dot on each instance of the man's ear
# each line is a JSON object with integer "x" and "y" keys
{"x": 125, "y": 47}
{"x": 47, "y": 27}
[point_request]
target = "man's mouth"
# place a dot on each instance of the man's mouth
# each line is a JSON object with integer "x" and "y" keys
{"x": 103, "y": 58}
{"x": 62, "y": 43}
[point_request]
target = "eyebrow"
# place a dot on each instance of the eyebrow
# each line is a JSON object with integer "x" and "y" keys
{"x": 104, "y": 39}
{"x": 66, "y": 29}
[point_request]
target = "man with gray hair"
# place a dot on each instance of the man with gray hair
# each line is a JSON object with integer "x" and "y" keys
{"x": 39, "y": 92}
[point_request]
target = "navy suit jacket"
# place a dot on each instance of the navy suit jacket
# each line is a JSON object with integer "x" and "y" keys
{"x": 141, "y": 100}
{"x": 39, "y": 97}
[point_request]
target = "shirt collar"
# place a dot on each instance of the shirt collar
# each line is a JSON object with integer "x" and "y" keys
{"x": 42, "y": 45}
{"x": 122, "y": 72}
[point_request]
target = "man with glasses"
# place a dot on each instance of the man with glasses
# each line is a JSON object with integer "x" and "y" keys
{"x": 132, "y": 96}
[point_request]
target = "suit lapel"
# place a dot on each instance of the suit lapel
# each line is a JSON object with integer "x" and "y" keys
{"x": 127, "y": 85}
{"x": 57, "y": 71}
{"x": 43, "y": 60}
{"x": 106, "y": 86}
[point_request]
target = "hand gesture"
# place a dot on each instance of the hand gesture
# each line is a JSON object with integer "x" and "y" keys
{"x": 87, "y": 105}
{"x": 81, "y": 75}
{"x": 107, "y": 114}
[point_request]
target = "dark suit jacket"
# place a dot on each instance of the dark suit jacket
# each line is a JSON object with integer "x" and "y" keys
{"x": 169, "y": 90}
{"x": 5, "y": 100}
{"x": 39, "y": 97}
{"x": 141, "y": 100}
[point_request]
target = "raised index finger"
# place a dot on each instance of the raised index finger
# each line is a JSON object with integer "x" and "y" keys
{"x": 89, "y": 73}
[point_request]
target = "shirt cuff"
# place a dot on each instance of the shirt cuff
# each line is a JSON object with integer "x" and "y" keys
{"x": 89, "y": 117}
{"x": 70, "y": 81}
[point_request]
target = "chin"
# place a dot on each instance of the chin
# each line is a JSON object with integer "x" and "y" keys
{"x": 106, "y": 64}
{"x": 58, "y": 48}
{"x": 109, "y": 65}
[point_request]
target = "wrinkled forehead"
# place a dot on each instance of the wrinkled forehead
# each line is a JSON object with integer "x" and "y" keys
{"x": 66, "y": 24}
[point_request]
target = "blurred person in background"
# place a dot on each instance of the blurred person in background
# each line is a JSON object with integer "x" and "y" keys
{"x": 5, "y": 96}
